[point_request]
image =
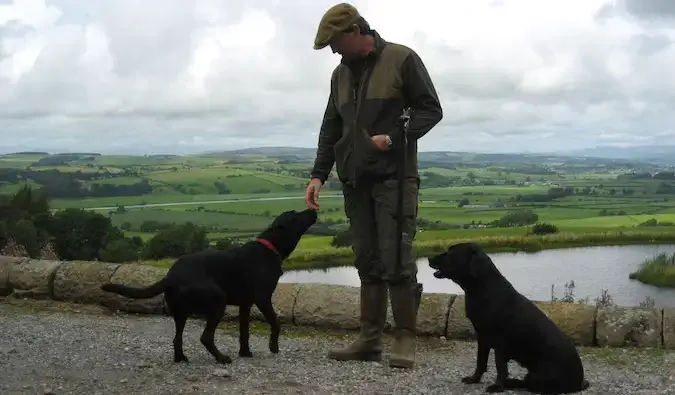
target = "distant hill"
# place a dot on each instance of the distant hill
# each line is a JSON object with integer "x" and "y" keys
{"x": 266, "y": 151}
{"x": 426, "y": 157}
{"x": 600, "y": 155}
{"x": 28, "y": 153}
{"x": 644, "y": 152}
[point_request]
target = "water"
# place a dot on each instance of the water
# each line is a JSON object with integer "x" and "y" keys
{"x": 532, "y": 274}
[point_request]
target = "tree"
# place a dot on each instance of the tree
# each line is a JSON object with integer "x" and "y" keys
{"x": 119, "y": 250}
{"x": 25, "y": 234}
{"x": 81, "y": 234}
{"x": 175, "y": 241}
{"x": 518, "y": 218}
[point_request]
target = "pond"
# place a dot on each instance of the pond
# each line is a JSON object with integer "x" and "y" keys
{"x": 591, "y": 268}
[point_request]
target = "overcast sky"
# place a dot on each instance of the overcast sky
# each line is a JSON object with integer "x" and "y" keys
{"x": 185, "y": 76}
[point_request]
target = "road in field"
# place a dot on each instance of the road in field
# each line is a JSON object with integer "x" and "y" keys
{"x": 206, "y": 202}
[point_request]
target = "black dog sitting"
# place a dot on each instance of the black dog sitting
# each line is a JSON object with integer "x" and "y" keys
{"x": 203, "y": 283}
{"x": 512, "y": 325}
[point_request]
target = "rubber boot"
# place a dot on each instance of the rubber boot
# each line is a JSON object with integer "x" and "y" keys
{"x": 405, "y": 302}
{"x": 368, "y": 347}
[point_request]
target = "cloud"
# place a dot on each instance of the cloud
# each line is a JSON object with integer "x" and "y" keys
{"x": 188, "y": 76}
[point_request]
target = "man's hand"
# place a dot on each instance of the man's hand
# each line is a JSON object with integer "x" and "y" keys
{"x": 312, "y": 193}
{"x": 380, "y": 141}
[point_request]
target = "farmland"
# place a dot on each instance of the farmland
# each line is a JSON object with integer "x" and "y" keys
{"x": 462, "y": 196}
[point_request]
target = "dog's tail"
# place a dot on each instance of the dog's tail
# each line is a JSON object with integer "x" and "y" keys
{"x": 136, "y": 293}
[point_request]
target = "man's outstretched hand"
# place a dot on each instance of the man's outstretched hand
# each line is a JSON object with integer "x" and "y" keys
{"x": 312, "y": 193}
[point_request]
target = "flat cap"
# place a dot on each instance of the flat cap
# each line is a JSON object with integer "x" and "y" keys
{"x": 337, "y": 19}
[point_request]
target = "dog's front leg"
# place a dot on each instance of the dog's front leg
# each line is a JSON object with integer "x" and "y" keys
{"x": 501, "y": 363}
{"x": 244, "y": 318}
{"x": 270, "y": 315}
{"x": 481, "y": 363}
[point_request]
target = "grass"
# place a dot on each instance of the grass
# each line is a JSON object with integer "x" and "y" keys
{"x": 202, "y": 199}
{"x": 646, "y": 360}
{"x": 658, "y": 271}
{"x": 239, "y": 181}
{"x": 185, "y": 184}
{"x": 306, "y": 257}
{"x": 223, "y": 221}
{"x": 616, "y": 220}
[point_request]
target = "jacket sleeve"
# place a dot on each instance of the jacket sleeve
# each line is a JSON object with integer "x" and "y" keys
{"x": 421, "y": 95}
{"x": 330, "y": 133}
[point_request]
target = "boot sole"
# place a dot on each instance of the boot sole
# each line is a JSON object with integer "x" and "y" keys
{"x": 401, "y": 363}
{"x": 365, "y": 357}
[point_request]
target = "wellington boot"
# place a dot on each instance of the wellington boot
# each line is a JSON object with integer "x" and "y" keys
{"x": 405, "y": 302}
{"x": 368, "y": 347}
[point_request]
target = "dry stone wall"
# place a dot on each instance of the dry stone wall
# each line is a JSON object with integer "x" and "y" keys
{"x": 329, "y": 306}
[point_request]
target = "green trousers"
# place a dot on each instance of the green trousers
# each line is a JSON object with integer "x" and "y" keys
{"x": 371, "y": 209}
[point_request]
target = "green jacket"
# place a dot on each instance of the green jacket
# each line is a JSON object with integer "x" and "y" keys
{"x": 393, "y": 79}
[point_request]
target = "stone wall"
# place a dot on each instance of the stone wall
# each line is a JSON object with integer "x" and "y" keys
{"x": 329, "y": 306}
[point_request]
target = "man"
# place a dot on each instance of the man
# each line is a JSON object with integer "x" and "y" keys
{"x": 370, "y": 88}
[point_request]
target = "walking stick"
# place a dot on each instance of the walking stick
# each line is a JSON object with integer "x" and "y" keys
{"x": 400, "y": 145}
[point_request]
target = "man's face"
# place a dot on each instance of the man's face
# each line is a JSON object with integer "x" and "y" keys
{"x": 346, "y": 44}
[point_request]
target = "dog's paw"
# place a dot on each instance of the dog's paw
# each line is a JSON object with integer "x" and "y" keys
{"x": 274, "y": 347}
{"x": 492, "y": 388}
{"x": 180, "y": 358}
{"x": 473, "y": 379}
{"x": 245, "y": 353}
{"x": 224, "y": 359}
{"x": 513, "y": 383}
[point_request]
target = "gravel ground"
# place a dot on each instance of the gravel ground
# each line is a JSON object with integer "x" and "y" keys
{"x": 52, "y": 348}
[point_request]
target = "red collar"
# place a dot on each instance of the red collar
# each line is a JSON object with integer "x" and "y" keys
{"x": 268, "y": 245}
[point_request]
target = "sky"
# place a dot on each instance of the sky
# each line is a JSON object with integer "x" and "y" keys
{"x": 188, "y": 76}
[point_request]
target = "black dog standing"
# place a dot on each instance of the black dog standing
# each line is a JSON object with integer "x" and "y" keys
{"x": 512, "y": 325}
{"x": 203, "y": 283}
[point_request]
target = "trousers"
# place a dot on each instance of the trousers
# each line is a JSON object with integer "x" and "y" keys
{"x": 371, "y": 209}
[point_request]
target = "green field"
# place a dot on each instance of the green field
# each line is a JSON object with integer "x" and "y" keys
{"x": 461, "y": 195}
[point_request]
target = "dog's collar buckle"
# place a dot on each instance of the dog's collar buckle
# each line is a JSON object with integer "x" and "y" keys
{"x": 268, "y": 245}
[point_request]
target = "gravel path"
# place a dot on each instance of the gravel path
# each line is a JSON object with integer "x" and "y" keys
{"x": 80, "y": 350}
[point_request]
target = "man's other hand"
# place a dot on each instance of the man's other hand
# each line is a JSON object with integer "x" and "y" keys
{"x": 380, "y": 141}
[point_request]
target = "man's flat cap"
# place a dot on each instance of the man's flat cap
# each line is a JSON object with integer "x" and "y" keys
{"x": 337, "y": 19}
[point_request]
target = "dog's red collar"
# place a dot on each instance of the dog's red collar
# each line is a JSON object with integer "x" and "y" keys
{"x": 268, "y": 245}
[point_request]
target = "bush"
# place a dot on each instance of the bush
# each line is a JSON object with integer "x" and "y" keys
{"x": 225, "y": 244}
{"x": 543, "y": 228}
{"x": 342, "y": 239}
{"x": 658, "y": 271}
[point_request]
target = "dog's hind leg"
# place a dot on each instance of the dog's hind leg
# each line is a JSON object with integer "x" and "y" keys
{"x": 214, "y": 314}
{"x": 244, "y": 317}
{"x": 550, "y": 383}
{"x": 270, "y": 315}
{"x": 179, "y": 321}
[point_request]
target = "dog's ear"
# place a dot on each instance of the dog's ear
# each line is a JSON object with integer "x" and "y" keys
{"x": 476, "y": 261}
{"x": 452, "y": 248}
